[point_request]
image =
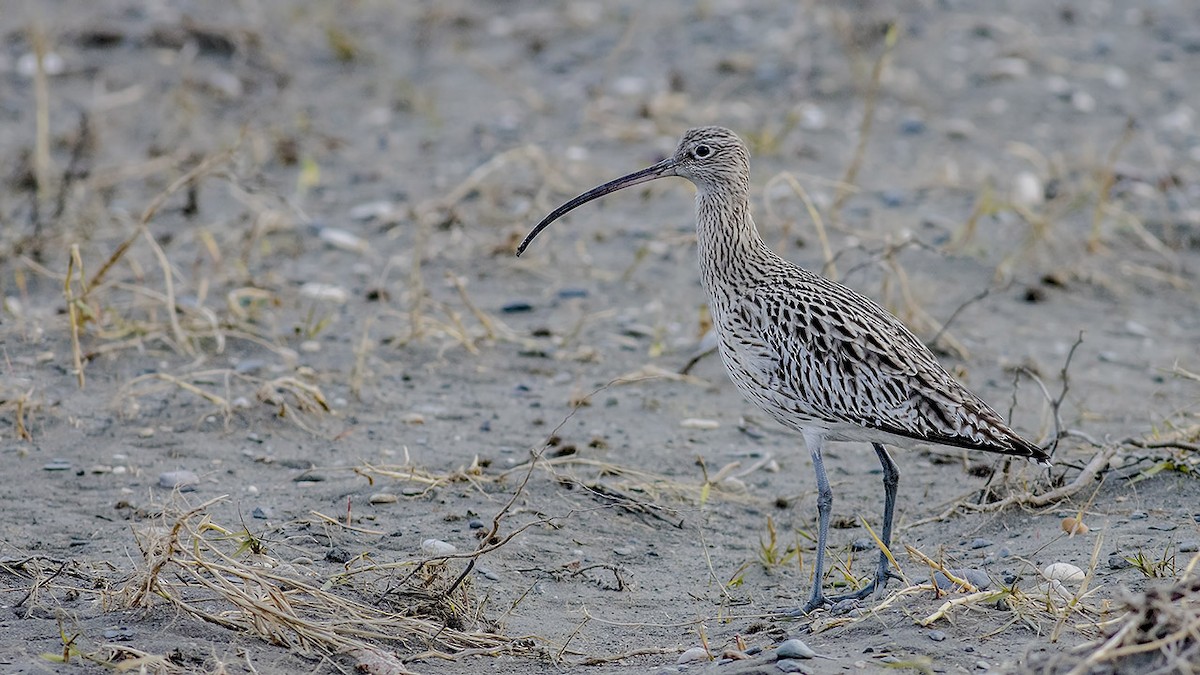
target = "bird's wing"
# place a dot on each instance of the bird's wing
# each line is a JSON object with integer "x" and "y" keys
{"x": 837, "y": 356}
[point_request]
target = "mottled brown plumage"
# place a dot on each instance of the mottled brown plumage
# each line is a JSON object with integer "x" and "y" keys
{"x": 815, "y": 355}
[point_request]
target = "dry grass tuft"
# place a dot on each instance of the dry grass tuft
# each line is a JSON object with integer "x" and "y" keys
{"x": 228, "y": 578}
{"x": 1159, "y": 633}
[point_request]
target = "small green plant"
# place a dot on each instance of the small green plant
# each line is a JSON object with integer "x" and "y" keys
{"x": 770, "y": 553}
{"x": 1161, "y": 568}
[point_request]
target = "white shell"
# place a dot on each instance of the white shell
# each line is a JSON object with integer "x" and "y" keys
{"x": 1063, "y": 572}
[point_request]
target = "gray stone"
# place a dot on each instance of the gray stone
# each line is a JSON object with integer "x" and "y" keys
{"x": 794, "y": 649}
{"x": 182, "y": 480}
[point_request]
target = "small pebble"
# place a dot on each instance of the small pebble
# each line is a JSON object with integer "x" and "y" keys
{"x": 1027, "y": 190}
{"x": 958, "y": 129}
{"x": 516, "y": 307}
{"x": 893, "y": 198}
{"x": 118, "y": 633}
{"x": 341, "y": 239}
{"x": 862, "y": 544}
{"x": 437, "y": 547}
{"x": 488, "y": 574}
{"x": 1008, "y": 68}
{"x": 52, "y": 64}
{"x": 912, "y": 126}
{"x": 260, "y": 513}
{"x": 475, "y": 524}
{"x": 1083, "y": 102}
{"x": 789, "y": 666}
{"x": 977, "y": 578}
{"x": 1162, "y": 527}
{"x": 328, "y": 292}
{"x": 983, "y": 665}
{"x": 338, "y": 554}
{"x": 567, "y": 293}
{"x": 693, "y": 655}
{"x": 383, "y": 498}
{"x": 698, "y": 423}
{"x": 370, "y": 210}
{"x": 937, "y": 635}
{"x": 981, "y": 543}
{"x": 57, "y": 465}
{"x": 1190, "y": 546}
{"x": 623, "y": 550}
{"x": 1139, "y": 515}
{"x": 1116, "y": 562}
{"x": 794, "y": 649}
{"x": 184, "y": 481}
{"x": 1196, "y": 517}
{"x": 812, "y": 118}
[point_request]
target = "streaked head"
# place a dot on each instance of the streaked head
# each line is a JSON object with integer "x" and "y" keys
{"x": 713, "y": 158}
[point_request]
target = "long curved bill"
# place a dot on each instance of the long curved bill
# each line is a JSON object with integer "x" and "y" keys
{"x": 663, "y": 168}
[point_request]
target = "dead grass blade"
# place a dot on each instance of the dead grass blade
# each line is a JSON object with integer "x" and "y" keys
{"x": 208, "y": 572}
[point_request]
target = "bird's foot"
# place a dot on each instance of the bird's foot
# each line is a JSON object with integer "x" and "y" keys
{"x": 808, "y": 608}
{"x": 875, "y": 587}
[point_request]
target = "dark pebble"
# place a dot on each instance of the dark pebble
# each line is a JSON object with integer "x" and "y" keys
{"x": 912, "y": 126}
{"x": 486, "y": 426}
{"x": 516, "y": 307}
{"x": 1196, "y": 517}
{"x": 567, "y": 293}
{"x": 937, "y": 635}
{"x": 981, "y": 543}
{"x": 893, "y": 198}
{"x": 475, "y": 524}
{"x": 338, "y": 554}
{"x": 862, "y": 544}
{"x": 1139, "y": 515}
{"x": 1116, "y": 562}
{"x": 260, "y": 513}
{"x": 57, "y": 465}
{"x": 118, "y": 633}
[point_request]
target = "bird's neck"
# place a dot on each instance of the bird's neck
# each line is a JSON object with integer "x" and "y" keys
{"x": 732, "y": 254}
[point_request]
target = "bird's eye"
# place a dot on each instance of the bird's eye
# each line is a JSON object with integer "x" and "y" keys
{"x": 702, "y": 151}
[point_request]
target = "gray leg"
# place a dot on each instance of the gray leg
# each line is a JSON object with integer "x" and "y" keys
{"x": 891, "y": 479}
{"x": 824, "y": 508}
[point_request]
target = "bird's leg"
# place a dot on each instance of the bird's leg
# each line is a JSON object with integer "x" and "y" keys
{"x": 824, "y": 507}
{"x": 891, "y": 479}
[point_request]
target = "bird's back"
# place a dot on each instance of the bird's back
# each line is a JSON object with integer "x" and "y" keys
{"x": 816, "y": 355}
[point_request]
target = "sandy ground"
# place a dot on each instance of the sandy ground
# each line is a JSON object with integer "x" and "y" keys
{"x": 331, "y": 195}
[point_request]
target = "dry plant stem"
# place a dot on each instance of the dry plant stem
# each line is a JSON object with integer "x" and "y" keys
{"x": 160, "y": 559}
{"x": 41, "y": 95}
{"x": 1107, "y": 179}
{"x": 207, "y": 165}
{"x": 73, "y": 311}
{"x": 864, "y": 131}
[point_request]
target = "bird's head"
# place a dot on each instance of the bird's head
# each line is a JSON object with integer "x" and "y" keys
{"x": 713, "y": 158}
